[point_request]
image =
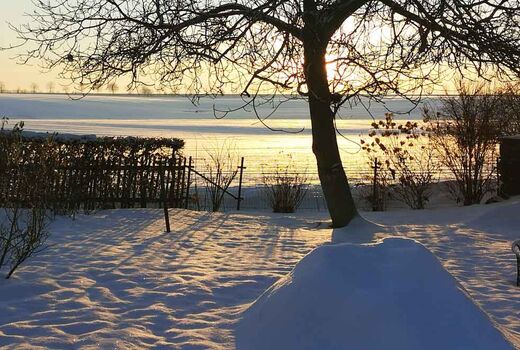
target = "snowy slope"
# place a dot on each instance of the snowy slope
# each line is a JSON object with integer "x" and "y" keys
{"x": 394, "y": 295}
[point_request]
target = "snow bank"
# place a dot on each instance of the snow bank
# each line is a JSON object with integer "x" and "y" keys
{"x": 55, "y": 136}
{"x": 390, "y": 295}
{"x": 497, "y": 218}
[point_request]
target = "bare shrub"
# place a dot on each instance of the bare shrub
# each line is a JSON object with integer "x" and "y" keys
{"x": 406, "y": 160}
{"x": 23, "y": 236}
{"x": 221, "y": 170}
{"x": 27, "y": 170}
{"x": 83, "y": 173}
{"x": 376, "y": 187}
{"x": 284, "y": 187}
{"x": 510, "y": 100}
{"x": 465, "y": 133}
{"x": 23, "y": 227}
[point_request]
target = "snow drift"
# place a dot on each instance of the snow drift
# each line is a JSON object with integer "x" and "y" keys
{"x": 390, "y": 295}
{"x": 497, "y": 218}
{"x": 360, "y": 230}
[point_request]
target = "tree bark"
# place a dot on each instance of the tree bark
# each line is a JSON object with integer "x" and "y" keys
{"x": 333, "y": 179}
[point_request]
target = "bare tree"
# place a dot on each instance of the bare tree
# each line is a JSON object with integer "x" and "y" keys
{"x": 34, "y": 88}
{"x": 328, "y": 51}
{"x": 50, "y": 87}
{"x": 146, "y": 90}
{"x": 113, "y": 87}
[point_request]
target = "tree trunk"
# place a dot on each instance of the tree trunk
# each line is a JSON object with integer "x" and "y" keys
{"x": 333, "y": 179}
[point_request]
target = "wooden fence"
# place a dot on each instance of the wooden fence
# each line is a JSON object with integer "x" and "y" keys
{"x": 104, "y": 184}
{"x": 91, "y": 183}
{"x": 70, "y": 174}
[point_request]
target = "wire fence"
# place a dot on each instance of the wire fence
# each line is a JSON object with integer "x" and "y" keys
{"x": 248, "y": 188}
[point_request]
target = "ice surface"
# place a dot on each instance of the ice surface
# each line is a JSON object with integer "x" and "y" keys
{"x": 196, "y": 124}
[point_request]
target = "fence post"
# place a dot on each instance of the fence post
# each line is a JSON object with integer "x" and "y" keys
{"x": 499, "y": 193}
{"x": 241, "y": 167}
{"x": 374, "y": 187}
{"x": 188, "y": 184}
{"x": 163, "y": 197}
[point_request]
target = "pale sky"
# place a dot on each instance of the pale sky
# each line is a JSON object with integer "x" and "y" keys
{"x": 11, "y": 74}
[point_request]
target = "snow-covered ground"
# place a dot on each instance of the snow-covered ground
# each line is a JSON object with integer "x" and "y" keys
{"x": 114, "y": 279}
{"x": 390, "y": 295}
{"x": 474, "y": 245}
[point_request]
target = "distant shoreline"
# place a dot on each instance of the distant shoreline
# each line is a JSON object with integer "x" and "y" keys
{"x": 186, "y": 95}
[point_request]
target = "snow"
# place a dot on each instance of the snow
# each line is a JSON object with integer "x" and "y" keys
{"x": 115, "y": 279}
{"x": 56, "y": 136}
{"x": 389, "y": 295}
{"x": 162, "y": 107}
{"x": 474, "y": 245}
{"x": 360, "y": 230}
{"x": 176, "y": 116}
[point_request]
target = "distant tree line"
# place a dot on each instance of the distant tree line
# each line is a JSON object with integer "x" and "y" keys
{"x": 51, "y": 88}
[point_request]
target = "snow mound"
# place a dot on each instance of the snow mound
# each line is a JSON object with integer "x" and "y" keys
{"x": 359, "y": 230}
{"x": 390, "y": 295}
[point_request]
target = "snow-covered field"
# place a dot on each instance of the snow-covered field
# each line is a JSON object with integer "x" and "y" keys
{"x": 169, "y": 116}
{"x": 114, "y": 279}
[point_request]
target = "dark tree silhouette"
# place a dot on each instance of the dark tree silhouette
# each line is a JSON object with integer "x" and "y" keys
{"x": 377, "y": 48}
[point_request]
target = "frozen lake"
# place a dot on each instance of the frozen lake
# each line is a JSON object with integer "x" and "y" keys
{"x": 202, "y": 125}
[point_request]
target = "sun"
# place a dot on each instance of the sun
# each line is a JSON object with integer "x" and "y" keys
{"x": 331, "y": 66}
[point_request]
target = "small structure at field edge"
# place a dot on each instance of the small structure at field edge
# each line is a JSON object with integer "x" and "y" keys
{"x": 509, "y": 168}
